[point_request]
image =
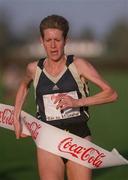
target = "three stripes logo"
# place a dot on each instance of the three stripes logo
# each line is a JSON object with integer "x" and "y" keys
{"x": 55, "y": 87}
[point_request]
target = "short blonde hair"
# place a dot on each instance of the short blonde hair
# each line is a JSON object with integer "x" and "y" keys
{"x": 54, "y": 21}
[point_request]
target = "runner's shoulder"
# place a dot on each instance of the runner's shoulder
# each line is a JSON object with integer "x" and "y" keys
{"x": 81, "y": 62}
{"x": 31, "y": 67}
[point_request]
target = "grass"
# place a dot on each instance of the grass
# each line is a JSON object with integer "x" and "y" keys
{"x": 108, "y": 124}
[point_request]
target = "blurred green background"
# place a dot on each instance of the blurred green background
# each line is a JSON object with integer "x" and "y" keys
{"x": 99, "y": 33}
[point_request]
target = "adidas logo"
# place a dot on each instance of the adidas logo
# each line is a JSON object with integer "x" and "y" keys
{"x": 55, "y": 87}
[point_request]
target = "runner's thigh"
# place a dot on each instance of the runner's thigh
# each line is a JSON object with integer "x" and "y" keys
{"x": 51, "y": 167}
{"x": 76, "y": 171}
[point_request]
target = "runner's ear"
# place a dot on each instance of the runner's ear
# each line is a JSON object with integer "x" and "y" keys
{"x": 41, "y": 41}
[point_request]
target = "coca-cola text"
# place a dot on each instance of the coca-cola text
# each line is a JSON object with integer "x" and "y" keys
{"x": 90, "y": 154}
{"x": 6, "y": 117}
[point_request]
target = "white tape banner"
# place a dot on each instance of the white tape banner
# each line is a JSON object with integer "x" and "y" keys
{"x": 62, "y": 143}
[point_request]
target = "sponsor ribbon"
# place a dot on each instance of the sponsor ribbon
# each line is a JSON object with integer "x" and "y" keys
{"x": 62, "y": 143}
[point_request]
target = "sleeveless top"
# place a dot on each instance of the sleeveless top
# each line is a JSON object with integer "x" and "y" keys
{"x": 47, "y": 87}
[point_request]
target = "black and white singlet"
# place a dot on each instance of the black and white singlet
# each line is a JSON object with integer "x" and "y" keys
{"x": 47, "y": 87}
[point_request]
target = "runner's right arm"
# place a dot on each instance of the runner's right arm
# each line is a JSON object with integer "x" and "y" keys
{"x": 21, "y": 96}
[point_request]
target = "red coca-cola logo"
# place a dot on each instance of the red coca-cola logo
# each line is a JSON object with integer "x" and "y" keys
{"x": 6, "y": 117}
{"x": 33, "y": 128}
{"x": 91, "y": 155}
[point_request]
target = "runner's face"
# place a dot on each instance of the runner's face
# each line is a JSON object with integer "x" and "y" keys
{"x": 54, "y": 43}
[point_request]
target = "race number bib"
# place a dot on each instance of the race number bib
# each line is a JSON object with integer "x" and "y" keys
{"x": 54, "y": 114}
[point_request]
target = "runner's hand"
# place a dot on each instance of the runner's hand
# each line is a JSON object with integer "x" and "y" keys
{"x": 65, "y": 101}
{"x": 17, "y": 127}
